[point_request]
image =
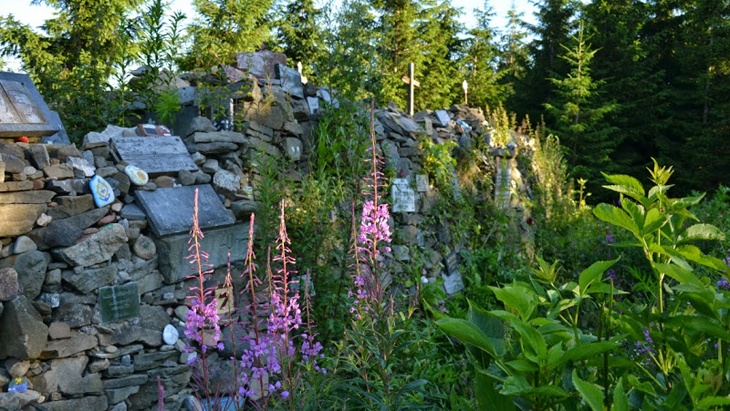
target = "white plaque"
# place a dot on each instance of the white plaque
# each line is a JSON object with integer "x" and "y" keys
{"x": 404, "y": 198}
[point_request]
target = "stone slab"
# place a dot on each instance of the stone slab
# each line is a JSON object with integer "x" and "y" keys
{"x": 170, "y": 210}
{"x": 22, "y": 109}
{"x": 260, "y": 63}
{"x": 291, "y": 80}
{"x": 155, "y": 155}
{"x": 18, "y": 219}
{"x": 173, "y": 251}
{"x": 443, "y": 117}
{"x": 119, "y": 302}
{"x": 404, "y": 198}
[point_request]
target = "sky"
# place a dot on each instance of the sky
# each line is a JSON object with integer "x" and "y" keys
{"x": 35, "y": 15}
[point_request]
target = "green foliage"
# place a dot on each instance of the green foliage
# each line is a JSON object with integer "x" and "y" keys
{"x": 167, "y": 106}
{"x": 225, "y": 28}
{"x": 299, "y": 34}
{"x": 439, "y": 163}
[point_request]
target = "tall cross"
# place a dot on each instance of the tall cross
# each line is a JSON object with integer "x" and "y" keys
{"x": 412, "y": 84}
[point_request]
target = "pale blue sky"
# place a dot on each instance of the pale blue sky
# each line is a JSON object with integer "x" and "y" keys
{"x": 35, "y": 15}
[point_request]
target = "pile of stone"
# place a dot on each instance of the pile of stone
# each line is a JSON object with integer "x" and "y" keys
{"x": 94, "y": 240}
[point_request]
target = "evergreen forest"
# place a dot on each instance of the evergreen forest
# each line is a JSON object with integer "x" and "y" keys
{"x": 619, "y": 82}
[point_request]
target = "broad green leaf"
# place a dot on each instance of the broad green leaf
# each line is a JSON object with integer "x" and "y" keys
{"x": 469, "y": 333}
{"x": 522, "y": 365}
{"x": 490, "y": 325}
{"x": 487, "y": 396}
{"x": 701, "y": 325}
{"x": 702, "y": 232}
{"x": 593, "y": 274}
{"x": 533, "y": 344}
{"x": 625, "y": 184}
{"x": 635, "y": 211}
{"x": 590, "y": 393}
{"x": 515, "y": 385}
{"x": 555, "y": 354}
{"x": 693, "y": 253}
{"x": 518, "y": 297}
{"x": 620, "y": 399}
{"x": 644, "y": 386}
{"x": 616, "y": 216}
{"x": 678, "y": 273}
{"x": 587, "y": 351}
{"x": 686, "y": 202}
{"x": 653, "y": 221}
{"x": 708, "y": 402}
{"x": 675, "y": 256}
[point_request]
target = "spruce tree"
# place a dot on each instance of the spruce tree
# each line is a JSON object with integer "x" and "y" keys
{"x": 578, "y": 113}
{"x": 513, "y": 56}
{"x": 73, "y": 56}
{"x": 481, "y": 59}
{"x": 299, "y": 35}
{"x": 225, "y": 28}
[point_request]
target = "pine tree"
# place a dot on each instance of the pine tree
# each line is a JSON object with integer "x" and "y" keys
{"x": 351, "y": 64}
{"x": 481, "y": 61}
{"x": 73, "y": 57}
{"x": 513, "y": 58}
{"x": 225, "y": 28}
{"x": 299, "y": 35}
{"x": 553, "y": 28}
{"x": 439, "y": 45}
{"x": 579, "y": 114}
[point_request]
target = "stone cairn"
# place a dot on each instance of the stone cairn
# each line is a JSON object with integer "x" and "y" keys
{"x": 93, "y": 239}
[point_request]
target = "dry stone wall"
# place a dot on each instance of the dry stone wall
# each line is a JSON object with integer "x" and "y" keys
{"x": 93, "y": 280}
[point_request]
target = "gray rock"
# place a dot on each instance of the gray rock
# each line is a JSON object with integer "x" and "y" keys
{"x": 40, "y": 157}
{"x": 149, "y": 282}
{"x": 226, "y": 181}
{"x": 128, "y": 381}
{"x": 59, "y": 331}
{"x": 68, "y": 376}
{"x": 19, "y": 400}
{"x": 213, "y": 148}
{"x": 123, "y": 183}
{"x": 27, "y": 197}
{"x": 243, "y": 209}
{"x": 24, "y": 333}
{"x": 9, "y": 285}
{"x": 197, "y": 124}
{"x": 186, "y": 177}
{"x": 74, "y": 311}
{"x": 68, "y": 347}
{"x": 61, "y": 233}
{"x": 144, "y": 248}
{"x": 117, "y": 395}
{"x": 86, "y": 168}
{"x": 217, "y": 137}
{"x": 13, "y": 164}
{"x": 293, "y": 148}
{"x": 390, "y": 122}
{"x": 96, "y": 248}
{"x": 410, "y": 126}
{"x": 133, "y": 212}
{"x": 202, "y": 178}
{"x": 78, "y": 404}
{"x": 17, "y": 368}
{"x": 261, "y": 63}
{"x": 210, "y": 166}
{"x": 86, "y": 280}
{"x": 291, "y": 80}
{"x": 19, "y": 219}
{"x": 31, "y": 268}
{"x": 69, "y": 187}
{"x": 23, "y": 244}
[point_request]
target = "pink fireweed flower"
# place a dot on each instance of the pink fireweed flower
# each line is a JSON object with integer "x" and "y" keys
{"x": 374, "y": 228}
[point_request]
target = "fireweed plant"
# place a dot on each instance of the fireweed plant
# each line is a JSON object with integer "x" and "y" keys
{"x": 377, "y": 344}
{"x": 273, "y": 364}
{"x": 202, "y": 323}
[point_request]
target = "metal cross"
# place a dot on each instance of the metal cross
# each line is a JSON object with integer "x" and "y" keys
{"x": 412, "y": 84}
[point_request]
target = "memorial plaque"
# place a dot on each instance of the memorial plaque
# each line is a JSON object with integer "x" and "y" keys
{"x": 173, "y": 251}
{"x": 119, "y": 302}
{"x": 404, "y": 198}
{"x": 22, "y": 109}
{"x": 155, "y": 154}
{"x": 170, "y": 210}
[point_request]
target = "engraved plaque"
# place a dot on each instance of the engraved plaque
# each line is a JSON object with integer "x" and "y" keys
{"x": 155, "y": 154}
{"x": 119, "y": 302}
{"x": 170, "y": 210}
{"x": 22, "y": 109}
{"x": 404, "y": 198}
{"x": 217, "y": 242}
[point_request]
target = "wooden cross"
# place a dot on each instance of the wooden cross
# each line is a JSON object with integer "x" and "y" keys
{"x": 412, "y": 84}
